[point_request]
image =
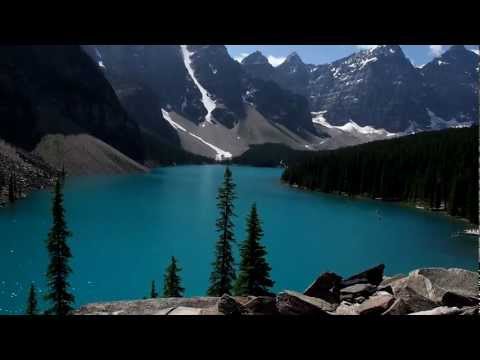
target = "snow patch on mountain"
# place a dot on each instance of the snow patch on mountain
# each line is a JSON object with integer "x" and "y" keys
{"x": 176, "y": 126}
{"x": 350, "y": 127}
{"x": 207, "y": 100}
{"x": 221, "y": 154}
{"x": 366, "y": 61}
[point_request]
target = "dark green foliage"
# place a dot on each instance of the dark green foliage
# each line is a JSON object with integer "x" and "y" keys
{"x": 32, "y": 302}
{"x": 153, "y": 291}
{"x": 172, "y": 286}
{"x": 439, "y": 169}
{"x": 223, "y": 274}
{"x": 254, "y": 273}
{"x": 272, "y": 155}
{"x": 59, "y": 252}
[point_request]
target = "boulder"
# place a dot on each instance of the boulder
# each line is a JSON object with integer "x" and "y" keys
{"x": 261, "y": 305}
{"x": 360, "y": 299}
{"x": 373, "y": 276}
{"x": 458, "y": 281}
{"x": 441, "y": 310}
{"x": 346, "y": 308}
{"x": 452, "y": 299}
{"x": 471, "y": 310}
{"x": 355, "y": 291}
{"x": 227, "y": 305}
{"x": 376, "y": 305}
{"x": 385, "y": 288}
{"x": 185, "y": 310}
{"x": 399, "y": 307}
{"x": 389, "y": 279}
{"x": 295, "y": 303}
{"x": 414, "y": 301}
{"x": 326, "y": 287}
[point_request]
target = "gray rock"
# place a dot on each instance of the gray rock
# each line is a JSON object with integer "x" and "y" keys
{"x": 159, "y": 306}
{"x": 261, "y": 305}
{"x": 373, "y": 276}
{"x": 441, "y": 310}
{"x": 185, "y": 310}
{"x": 375, "y": 305}
{"x": 458, "y": 281}
{"x": 385, "y": 288}
{"x": 472, "y": 310}
{"x": 452, "y": 299}
{"x": 399, "y": 307}
{"x": 387, "y": 280}
{"x": 295, "y": 303}
{"x": 354, "y": 291}
{"x": 412, "y": 300}
{"x": 326, "y": 287}
{"x": 227, "y": 305}
{"x": 346, "y": 308}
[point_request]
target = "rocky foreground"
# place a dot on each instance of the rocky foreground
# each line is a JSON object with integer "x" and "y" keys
{"x": 428, "y": 291}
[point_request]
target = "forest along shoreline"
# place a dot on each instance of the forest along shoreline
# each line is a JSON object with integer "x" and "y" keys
{"x": 412, "y": 206}
{"x": 435, "y": 171}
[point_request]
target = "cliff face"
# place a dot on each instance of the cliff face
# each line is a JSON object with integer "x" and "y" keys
{"x": 60, "y": 90}
{"x": 428, "y": 291}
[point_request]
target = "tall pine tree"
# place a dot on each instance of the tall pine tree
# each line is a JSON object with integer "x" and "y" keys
{"x": 153, "y": 291}
{"x": 223, "y": 274}
{"x": 172, "y": 286}
{"x": 32, "y": 301}
{"x": 59, "y": 252}
{"x": 254, "y": 273}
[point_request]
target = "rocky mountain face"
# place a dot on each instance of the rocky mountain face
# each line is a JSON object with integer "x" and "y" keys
{"x": 428, "y": 291}
{"x": 380, "y": 88}
{"x": 452, "y": 85}
{"x": 59, "y": 90}
{"x": 152, "y": 102}
{"x": 197, "y": 96}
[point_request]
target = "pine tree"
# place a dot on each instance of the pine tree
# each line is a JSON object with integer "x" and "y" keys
{"x": 172, "y": 282}
{"x": 153, "y": 291}
{"x": 32, "y": 301}
{"x": 223, "y": 274}
{"x": 59, "y": 252}
{"x": 254, "y": 273}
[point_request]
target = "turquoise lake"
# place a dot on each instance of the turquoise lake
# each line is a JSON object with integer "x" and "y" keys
{"x": 126, "y": 228}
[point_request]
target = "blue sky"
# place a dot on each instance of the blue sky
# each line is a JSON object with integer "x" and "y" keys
{"x": 320, "y": 54}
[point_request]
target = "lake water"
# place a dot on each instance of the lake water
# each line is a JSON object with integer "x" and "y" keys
{"x": 126, "y": 228}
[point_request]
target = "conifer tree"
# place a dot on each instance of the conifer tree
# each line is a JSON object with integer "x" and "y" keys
{"x": 223, "y": 273}
{"x": 254, "y": 273}
{"x": 153, "y": 291}
{"x": 59, "y": 253}
{"x": 32, "y": 301}
{"x": 172, "y": 283}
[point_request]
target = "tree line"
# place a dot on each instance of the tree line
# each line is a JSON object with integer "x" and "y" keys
{"x": 253, "y": 273}
{"x": 437, "y": 169}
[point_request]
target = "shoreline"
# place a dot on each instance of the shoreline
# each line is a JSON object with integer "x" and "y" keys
{"x": 410, "y": 205}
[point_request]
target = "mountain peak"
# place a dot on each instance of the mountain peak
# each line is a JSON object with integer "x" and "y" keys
{"x": 387, "y": 50}
{"x": 456, "y": 48}
{"x": 255, "y": 58}
{"x": 294, "y": 58}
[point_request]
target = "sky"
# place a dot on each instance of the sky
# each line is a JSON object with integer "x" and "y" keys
{"x": 321, "y": 54}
